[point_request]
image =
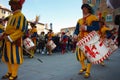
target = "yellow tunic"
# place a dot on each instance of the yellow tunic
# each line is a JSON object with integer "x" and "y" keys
{"x": 2, "y": 27}
{"x": 16, "y": 27}
{"x": 88, "y": 21}
{"x": 103, "y": 31}
{"x": 33, "y": 33}
{"x": 50, "y": 35}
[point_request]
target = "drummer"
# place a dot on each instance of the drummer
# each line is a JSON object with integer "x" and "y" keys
{"x": 85, "y": 25}
{"x": 1, "y": 31}
{"x": 33, "y": 33}
{"x": 104, "y": 30}
{"x": 49, "y": 38}
{"x": 64, "y": 40}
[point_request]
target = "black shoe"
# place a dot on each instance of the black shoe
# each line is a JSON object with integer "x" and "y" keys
{"x": 6, "y": 76}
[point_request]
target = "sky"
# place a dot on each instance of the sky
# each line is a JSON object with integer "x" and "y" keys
{"x": 61, "y": 13}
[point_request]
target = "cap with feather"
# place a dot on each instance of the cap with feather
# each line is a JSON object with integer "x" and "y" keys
{"x": 36, "y": 21}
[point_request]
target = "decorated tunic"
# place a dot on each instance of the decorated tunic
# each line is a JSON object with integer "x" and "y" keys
{"x": 33, "y": 33}
{"x": 16, "y": 27}
{"x": 92, "y": 24}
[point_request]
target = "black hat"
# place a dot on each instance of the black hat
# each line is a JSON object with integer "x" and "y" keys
{"x": 50, "y": 30}
{"x": 32, "y": 24}
{"x": 88, "y": 7}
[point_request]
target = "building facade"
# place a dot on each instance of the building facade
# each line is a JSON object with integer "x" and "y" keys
{"x": 40, "y": 27}
{"x": 102, "y": 10}
{"x": 69, "y": 31}
{"x": 4, "y": 12}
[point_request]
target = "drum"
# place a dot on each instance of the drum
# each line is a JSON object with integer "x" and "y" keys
{"x": 51, "y": 44}
{"x": 94, "y": 48}
{"x": 110, "y": 44}
{"x": 28, "y": 43}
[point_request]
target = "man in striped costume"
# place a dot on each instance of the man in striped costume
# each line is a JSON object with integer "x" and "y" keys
{"x": 16, "y": 27}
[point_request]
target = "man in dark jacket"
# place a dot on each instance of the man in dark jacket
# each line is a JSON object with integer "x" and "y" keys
{"x": 117, "y": 22}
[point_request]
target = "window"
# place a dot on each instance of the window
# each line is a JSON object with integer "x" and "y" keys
{"x": 3, "y": 11}
{"x": 98, "y": 2}
{"x": 109, "y": 18}
{"x": 89, "y": 1}
{"x": 3, "y": 17}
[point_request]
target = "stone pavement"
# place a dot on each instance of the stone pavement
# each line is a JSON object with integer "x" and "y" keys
{"x": 65, "y": 67}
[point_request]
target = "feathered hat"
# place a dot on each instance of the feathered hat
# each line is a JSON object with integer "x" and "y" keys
{"x": 18, "y": 1}
{"x": 36, "y": 21}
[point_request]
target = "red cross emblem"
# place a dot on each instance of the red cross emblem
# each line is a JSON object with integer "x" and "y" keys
{"x": 27, "y": 42}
